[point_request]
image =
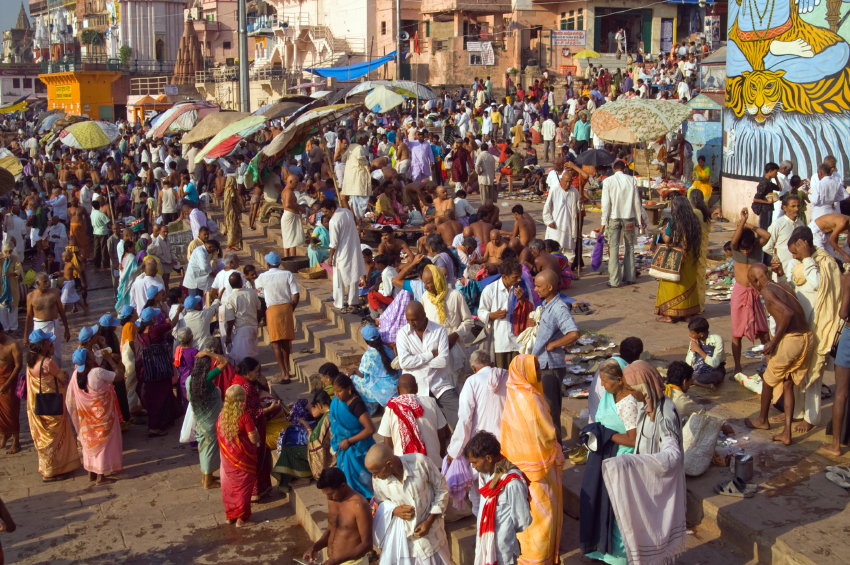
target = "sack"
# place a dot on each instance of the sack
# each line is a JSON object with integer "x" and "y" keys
{"x": 667, "y": 263}
{"x": 21, "y": 387}
{"x": 156, "y": 363}
{"x": 48, "y": 403}
{"x": 187, "y": 433}
{"x": 596, "y": 254}
{"x": 833, "y": 351}
{"x": 698, "y": 440}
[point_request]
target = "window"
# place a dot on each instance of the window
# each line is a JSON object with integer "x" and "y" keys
{"x": 230, "y": 61}
{"x": 475, "y": 59}
{"x": 27, "y": 83}
{"x": 225, "y": 45}
{"x": 580, "y": 19}
{"x": 427, "y": 28}
{"x": 16, "y": 83}
{"x": 563, "y": 20}
{"x": 383, "y": 28}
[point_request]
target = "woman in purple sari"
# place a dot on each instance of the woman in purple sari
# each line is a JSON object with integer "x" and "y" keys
{"x": 155, "y": 370}
{"x": 184, "y": 359}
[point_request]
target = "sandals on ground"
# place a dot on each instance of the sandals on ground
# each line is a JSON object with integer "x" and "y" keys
{"x": 736, "y": 488}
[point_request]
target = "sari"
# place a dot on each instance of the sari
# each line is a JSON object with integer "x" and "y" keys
{"x": 155, "y": 390}
{"x": 52, "y": 435}
{"x": 129, "y": 265}
{"x": 529, "y": 441}
{"x": 128, "y": 357}
{"x": 318, "y": 253}
{"x": 352, "y": 460}
{"x": 702, "y": 263}
{"x": 680, "y": 299}
{"x": 377, "y": 385}
{"x": 238, "y": 469}
{"x": 253, "y": 407}
{"x": 701, "y": 183}
{"x": 10, "y": 292}
{"x": 97, "y": 420}
{"x": 319, "y": 447}
{"x": 206, "y": 416}
{"x": 232, "y": 213}
{"x": 184, "y": 360}
{"x": 293, "y": 461}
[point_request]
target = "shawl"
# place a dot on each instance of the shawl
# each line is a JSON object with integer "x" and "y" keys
{"x": 393, "y": 318}
{"x": 230, "y": 197}
{"x": 485, "y": 550}
{"x": 6, "y": 296}
{"x": 407, "y": 408}
{"x": 126, "y": 282}
{"x": 94, "y": 413}
{"x": 128, "y": 333}
{"x": 826, "y": 321}
{"x": 439, "y": 299}
{"x": 642, "y": 373}
{"x": 648, "y": 497}
{"x": 528, "y": 434}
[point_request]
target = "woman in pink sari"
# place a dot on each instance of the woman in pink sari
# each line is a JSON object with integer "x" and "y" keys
{"x": 238, "y": 440}
{"x": 93, "y": 407}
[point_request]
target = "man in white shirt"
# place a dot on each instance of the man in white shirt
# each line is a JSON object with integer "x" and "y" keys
{"x": 560, "y": 212}
{"x": 485, "y": 167}
{"x": 783, "y": 180}
{"x": 463, "y": 209}
{"x": 59, "y": 203}
{"x": 423, "y": 351}
{"x": 414, "y": 424}
{"x": 221, "y": 283}
{"x": 197, "y": 219}
{"x": 417, "y": 496}
{"x": 780, "y": 232}
{"x": 825, "y": 189}
{"x": 149, "y": 281}
{"x": 241, "y": 308}
{"x": 621, "y": 209}
{"x": 548, "y": 132}
{"x": 15, "y": 228}
{"x": 57, "y": 235}
{"x": 198, "y": 319}
{"x": 493, "y": 307}
{"x": 345, "y": 255}
{"x": 199, "y": 273}
{"x": 282, "y": 294}
{"x": 690, "y": 66}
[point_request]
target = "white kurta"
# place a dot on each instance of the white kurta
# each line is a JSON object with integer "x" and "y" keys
{"x": 458, "y": 319}
{"x": 348, "y": 258}
{"x": 561, "y": 208}
{"x": 356, "y": 181}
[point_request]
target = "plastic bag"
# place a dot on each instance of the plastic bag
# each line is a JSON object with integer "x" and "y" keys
{"x": 187, "y": 433}
{"x": 596, "y": 255}
{"x": 459, "y": 478}
{"x": 699, "y": 438}
{"x": 29, "y": 278}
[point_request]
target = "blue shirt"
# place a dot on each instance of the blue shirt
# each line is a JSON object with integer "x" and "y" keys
{"x": 391, "y": 136}
{"x": 191, "y": 192}
{"x": 555, "y": 323}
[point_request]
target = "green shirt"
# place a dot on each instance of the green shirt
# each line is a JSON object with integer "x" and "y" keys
{"x": 99, "y": 221}
{"x": 515, "y": 164}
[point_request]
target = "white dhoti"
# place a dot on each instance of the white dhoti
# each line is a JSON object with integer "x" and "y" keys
{"x": 403, "y": 167}
{"x": 359, "y": 205}
{"x": 9, "y": 319}
{"x": 243, "y": 344}
{"x": 390, "y": 534}
{"x": 51, "y": 326}
{"x": 821, "y": 240}
{"x": 339, "y": 291}
{"x": 291, "y": 230}
{"x": 69, "y": 293}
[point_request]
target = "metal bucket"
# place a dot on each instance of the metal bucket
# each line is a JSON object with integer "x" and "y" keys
{"x": 742, "y": 467}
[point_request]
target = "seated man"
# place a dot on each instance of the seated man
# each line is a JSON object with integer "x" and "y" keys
{"x": 705, "y": 354}
{"x": 680, "y": 377}
{"x": 489, "y": 213}
{"x": 493, "y": 251}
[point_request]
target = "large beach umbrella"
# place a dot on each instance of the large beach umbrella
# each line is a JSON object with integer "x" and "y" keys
{"x": 408, "y": 88}
{"x": 49, "y": 121}
{"x": 182, "y": 117}
{"x": 225, "y": 140}
{"x": 382, "y": 99}
{"x": 44, "y": 115}
{"x": 12, "y": 164}
{"x": 637, "y": 119}
{"x": 89, "y": 135}
{"x": 211, "y": 125}
{"x": 282, "y": 109}
{"x": 295, "y": 132}
{"x": 66, "y": 121}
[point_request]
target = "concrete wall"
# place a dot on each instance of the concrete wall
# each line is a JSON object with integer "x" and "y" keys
{"x": 435, "y": 6}
{"x": 736, "y": 195}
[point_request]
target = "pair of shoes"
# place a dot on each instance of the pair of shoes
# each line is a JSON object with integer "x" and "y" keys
{"x": 609, "y": 285}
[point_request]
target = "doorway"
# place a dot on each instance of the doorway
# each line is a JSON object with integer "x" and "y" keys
{"x": 637, "y": 24}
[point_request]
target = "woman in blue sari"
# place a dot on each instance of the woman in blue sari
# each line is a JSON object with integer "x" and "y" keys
{"x": 351, "y": 435}
{"x": 319, "y": 252}
{"x": 128, "y": 267}
{"x": 376, "y": 381}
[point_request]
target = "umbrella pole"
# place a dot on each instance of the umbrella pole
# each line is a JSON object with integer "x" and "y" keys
{"x": 330, "y": 163}
{"x": 112, "y": 212}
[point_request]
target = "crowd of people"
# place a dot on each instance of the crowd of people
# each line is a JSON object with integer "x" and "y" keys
{"x": 467, "y": 328}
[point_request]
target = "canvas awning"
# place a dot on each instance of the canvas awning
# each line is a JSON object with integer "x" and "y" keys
{"x": 351, "y": 72}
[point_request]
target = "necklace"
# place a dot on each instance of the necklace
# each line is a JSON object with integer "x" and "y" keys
{"x": 760, "y": 33}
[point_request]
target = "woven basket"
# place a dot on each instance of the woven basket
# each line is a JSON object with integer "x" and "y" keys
{"x": 314, "y": 272}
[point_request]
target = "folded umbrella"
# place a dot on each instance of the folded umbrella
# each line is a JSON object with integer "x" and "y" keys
{"x": 595, "y": 158}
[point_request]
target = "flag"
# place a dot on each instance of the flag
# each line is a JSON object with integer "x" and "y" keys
{"x": 416, "y": 42}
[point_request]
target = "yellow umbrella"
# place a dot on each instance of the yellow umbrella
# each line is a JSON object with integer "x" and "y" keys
{"x": 382, "y": 99}
{"x": 11, "y": 164}
{"x": 586, "y": 54}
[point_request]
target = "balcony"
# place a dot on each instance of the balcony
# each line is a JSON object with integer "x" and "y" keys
{"x": 262, "y": 25}
{"x": 38, "y": 8}
{"x": 78, "y": 63}
{"x": 479, "y": 6}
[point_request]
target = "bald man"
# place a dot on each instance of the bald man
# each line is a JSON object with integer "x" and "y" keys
{"x": 448, "y": 227}
{"x": 398, "y": 481}
{"x": 788, "y": 351}
{"x": 493, "y": 251}
{"x": 556, "y": 330}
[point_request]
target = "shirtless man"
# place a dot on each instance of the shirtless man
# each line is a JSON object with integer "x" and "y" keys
{"x": 349, "y": 534}
{"x": 524, "y": 227}
{"x": 44, "y": 306}
{"x": 788, "y": 352}
{"x": 833, "y": 225}
{"x": 412, "y": 194}
{"x": 402, "y": 157}
{"x": 489, "y": 213}
{"x": 442, "y": 202}
{"x": 11, "y": 365}
{"x": 448, "y": 227}
{"x": 746, "y": 251}
{"x": 493, "y": 251}
{"x": 427, "y": 230}
{"x": 290, "y": 204}
{"x": 73, "y": 283}
{"x": 64, "y": 174}
{"x": 543, "y": 260}
{"x": 523, "y": 253}
{"x": 392, "y": 247}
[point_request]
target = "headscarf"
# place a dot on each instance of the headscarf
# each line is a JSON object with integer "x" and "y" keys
{"x": 528, "y": 434}
{"x": 643, "y": 373}
{"x": 439, "y": 299}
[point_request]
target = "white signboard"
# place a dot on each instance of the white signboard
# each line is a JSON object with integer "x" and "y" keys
{"x": 569, "y": 38}
{"x": 487, "y": 55}
{"x": 521, "y": 5}
{"x": 473, "y": 46}
{"x": 170, "y": 89}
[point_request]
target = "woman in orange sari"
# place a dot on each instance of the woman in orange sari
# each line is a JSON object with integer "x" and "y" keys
{"x": 237, "y": 439}
{"x": 529, "y": 442}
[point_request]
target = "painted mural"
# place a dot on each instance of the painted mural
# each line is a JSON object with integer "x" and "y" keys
{"x": 788, "y": 85}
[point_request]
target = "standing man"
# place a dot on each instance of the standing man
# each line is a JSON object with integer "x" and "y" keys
{"x": 282, "y": 295}
{"x": 620, "y": 211}
{"x": 345, "y": 255}
{"x": 139, "y": 289}
{"x": 494, "y": 307}
{"x": 242, "y": 306}
{"x": 349, "y": 535}
{"x": 291, "y": 230}
{"x": 11, "y": 365}
{"x": 761, "y": 205}
{"x": 423, "y": 351}
{"x": 783, "y": 180}
{"x": 357, "y": 180}
{"x": 561, "y": 210}
{"x": 44, "y": 310}
{"x": 556, "y": 330}
{"x": 100, "y": 227}
{"x": 548, "y": 131}
{"x": 421, "y": 157}
{"x": 780, "y": 232}
{"x": 581, "y": 132}
{"x": 485, "y": 167}
{"x": 199, "y": 272}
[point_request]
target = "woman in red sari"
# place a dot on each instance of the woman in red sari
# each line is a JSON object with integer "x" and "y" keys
{"x": 249, "y": 378}
{"x": 237, "y": 439}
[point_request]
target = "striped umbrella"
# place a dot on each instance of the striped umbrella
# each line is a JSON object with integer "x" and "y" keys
{"x": 224, "y": 142}
{"x": 89, "y": 135}
{"x": 182, "y": 117}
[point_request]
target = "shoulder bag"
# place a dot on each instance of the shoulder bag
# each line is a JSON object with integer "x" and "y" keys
{"x": 667, "y": 263}
{"x": 48, "y": 403}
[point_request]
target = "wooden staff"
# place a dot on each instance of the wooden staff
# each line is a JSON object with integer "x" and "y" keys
{"x": 329, "y": 162}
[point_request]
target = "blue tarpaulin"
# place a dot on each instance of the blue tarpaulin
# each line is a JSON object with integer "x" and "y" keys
{"x": 350, "y": 72}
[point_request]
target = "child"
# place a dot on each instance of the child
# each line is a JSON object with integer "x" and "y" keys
{"x": 251, "y": 274}
{"x": 69, "y": 287}
{"x": 175, "y": 300}
{"x": 383, "y": 292}
{"x": 705, "y": 354}
{"x": 679, "y": 379}
{"x": 372, "y": 272}
{"x": 256, "y": 199}
{"x": 728, "y": 266}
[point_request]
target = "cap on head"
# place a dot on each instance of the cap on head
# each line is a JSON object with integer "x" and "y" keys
{"x": 152, "y": 291}
{"x": 108, "y": 320}
{"x": 40, "y": 335}
{"x": 148, "y": 314}
{"x": 126, "y": 311}
{"x": 87, "y": 333}
{"x": 191, "y": 302}
{"x": 272, "y": 258}
{"x": 79, "y": 358}
{"x": 370, "y": 332}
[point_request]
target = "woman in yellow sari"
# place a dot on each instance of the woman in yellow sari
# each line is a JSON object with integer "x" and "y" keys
{"x": 701, "y": 182}
{"x": 530, "y": 443}
{"x": 233, "y": 206}
{"x": 701, "y": 210}
{"x": 676, "y": 300}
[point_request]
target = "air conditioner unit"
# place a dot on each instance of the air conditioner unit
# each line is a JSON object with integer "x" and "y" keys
{"x": 404, "y": 36}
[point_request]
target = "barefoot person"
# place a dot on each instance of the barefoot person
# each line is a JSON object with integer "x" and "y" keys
{"x": 349, "y": 535}
{"x": 842, "y": 375}
{"x": 748, "y": 319}
{"x": 788, "y": 352}
{"x": 237, "y": 439}
{"x": 11, "y": 365}
{"x": 282, "y": 295}
{"x": 44, "y": 310}
{"x": 291, "y": 229}
{"x": 524, "y": 227}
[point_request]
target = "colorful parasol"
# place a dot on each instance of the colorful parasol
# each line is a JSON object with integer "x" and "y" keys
{"x": 586, "y": 54}
{"x": 408, "y": 88}
{"x": 49, "y": 121}
{"x": 89, "y": 135}
{"x": 300, "y": 128}
{"x": 12, "y": 164}
{"x": 225, "y": 140}
{"x": 211, "y": 125}
{"x": 182, "y": 117}
{"x": 636, "y": 120}
{"x": 382, "y": 99}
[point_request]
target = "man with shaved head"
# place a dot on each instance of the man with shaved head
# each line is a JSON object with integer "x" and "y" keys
{"x": 241, "y": 307}
{"x": 423, "y": 351}
{"x": 409, "y": 488}
{"x": 788, "y": 352}
{"x": 555, "y": 331}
